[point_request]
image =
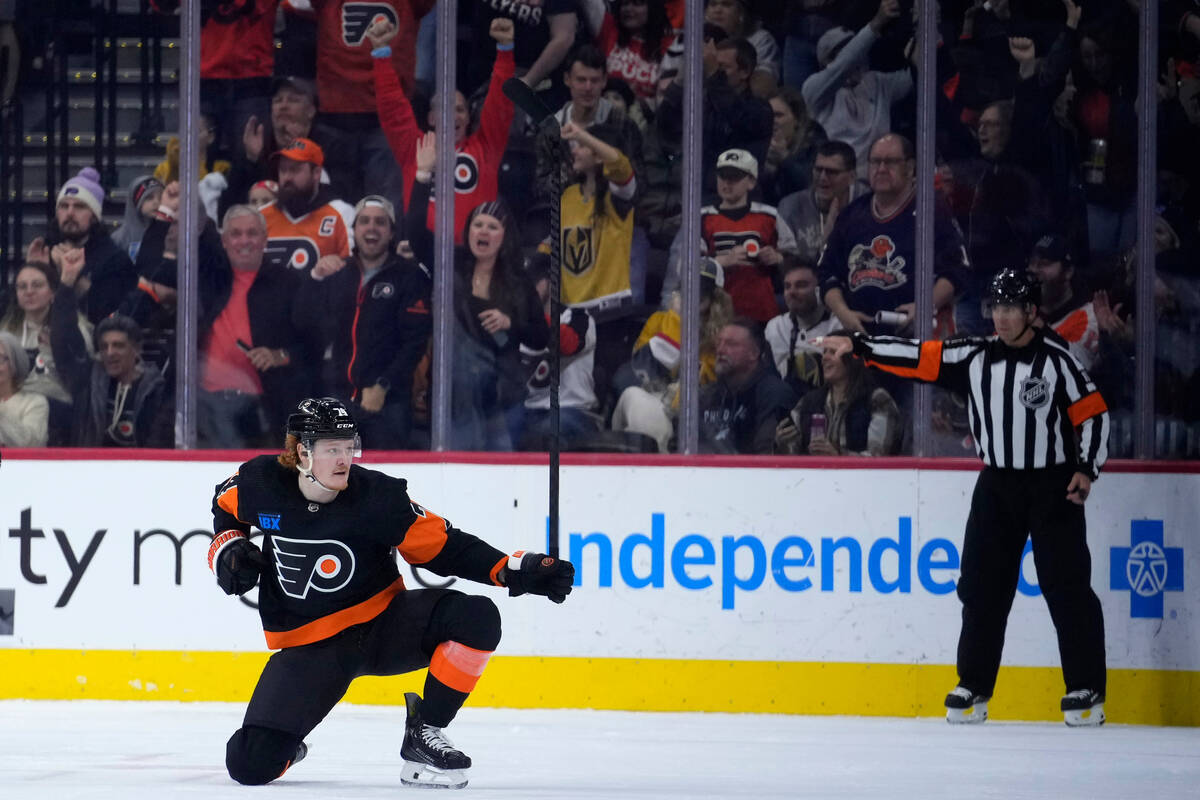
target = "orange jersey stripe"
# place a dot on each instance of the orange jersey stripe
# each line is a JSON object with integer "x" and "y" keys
{"x": 1086, "y": 407}
{"x": 458, "y": 666}
{"x": 229, "y": 500}
{"x": 928, "y": 366}
{"x": 425, "y": 538}
{"x": 336, "y": 622}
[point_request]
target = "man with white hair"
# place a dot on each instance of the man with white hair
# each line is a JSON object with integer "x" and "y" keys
{"x": 249, "y": 354}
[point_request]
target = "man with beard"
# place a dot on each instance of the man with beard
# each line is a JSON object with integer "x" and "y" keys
{"x": 293, "y": 116}
{"x": 791, "y": 334}
{"x": 811, "y": 212}
{"x": 376, "y": 314}
{"x": 107, "y": 274}
{"x": 741, "y": 409}
{"x": 303, "y": 225}
{"x": 1071, "y": 315}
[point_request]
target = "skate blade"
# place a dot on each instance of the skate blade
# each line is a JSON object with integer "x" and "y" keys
{"x": 972, "y": 715}
{"x": 1085, "y": 717}
{"x": 427, "y": 777}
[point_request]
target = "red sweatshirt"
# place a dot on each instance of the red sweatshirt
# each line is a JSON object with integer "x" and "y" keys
{"x": 344, "y": 52}
{"x": 478, "y": 156}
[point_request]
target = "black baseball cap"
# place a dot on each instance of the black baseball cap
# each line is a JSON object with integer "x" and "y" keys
{"x": 1053, "y": 247}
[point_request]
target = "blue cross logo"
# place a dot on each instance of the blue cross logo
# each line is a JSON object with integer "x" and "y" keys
{"x": 268, "y": 522}
{"x": 1146, "y": 569}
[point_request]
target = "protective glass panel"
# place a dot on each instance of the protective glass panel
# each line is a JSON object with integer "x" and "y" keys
{"x": 842, "y": 171}
{"x": 82, "y": 121}
{"x": 1177, "y": 331}
{"x": 318, "y": 293}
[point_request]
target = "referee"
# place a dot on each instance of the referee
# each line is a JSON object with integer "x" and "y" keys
{"x": 1041, "y": 429}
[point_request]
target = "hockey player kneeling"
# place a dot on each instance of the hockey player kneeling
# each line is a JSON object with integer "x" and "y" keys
{"x": 333, "y": 604}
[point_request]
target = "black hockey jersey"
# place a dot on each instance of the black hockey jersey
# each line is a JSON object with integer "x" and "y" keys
{"x": 331, "y": 564}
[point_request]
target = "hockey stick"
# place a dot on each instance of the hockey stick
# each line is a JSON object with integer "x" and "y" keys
{"x": 524, "y": 98}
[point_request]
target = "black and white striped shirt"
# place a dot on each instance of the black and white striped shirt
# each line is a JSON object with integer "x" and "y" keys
{"x": 1024, "y": 404}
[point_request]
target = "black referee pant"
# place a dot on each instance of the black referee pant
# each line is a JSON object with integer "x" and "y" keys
{"x": 1008, "y": 505}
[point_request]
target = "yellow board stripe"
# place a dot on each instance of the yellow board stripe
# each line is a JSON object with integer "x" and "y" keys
{"x": 1146, "y": 697}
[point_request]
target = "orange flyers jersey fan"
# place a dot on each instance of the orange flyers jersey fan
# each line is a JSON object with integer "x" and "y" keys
{"x": 1080, "y": 329}
{"x": 300, "y": 243}
{"x": 331, "y": 564}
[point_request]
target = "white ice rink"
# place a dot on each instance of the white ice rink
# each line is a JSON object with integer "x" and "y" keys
{"x": 161, "y": 751}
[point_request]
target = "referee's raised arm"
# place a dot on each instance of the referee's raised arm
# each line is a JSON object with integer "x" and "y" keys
{"x": 1027, "y": 397}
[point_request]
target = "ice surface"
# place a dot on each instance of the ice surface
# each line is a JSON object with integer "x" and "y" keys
{"x": 139, "y": 751}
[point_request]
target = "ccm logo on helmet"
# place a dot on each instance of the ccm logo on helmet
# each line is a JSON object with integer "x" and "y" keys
{"x": 325, "y": 565}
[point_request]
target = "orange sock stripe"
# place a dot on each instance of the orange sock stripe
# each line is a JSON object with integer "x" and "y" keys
{"x": 458, "y": 666}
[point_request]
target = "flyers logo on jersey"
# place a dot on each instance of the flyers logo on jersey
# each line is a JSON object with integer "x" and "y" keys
{"x": 725, "y": 241}
{"x": 357, "y": 17}
{"x": 295, "y": 252}
{"x": 325, "y": 565}
{"x": 466, "y": 173}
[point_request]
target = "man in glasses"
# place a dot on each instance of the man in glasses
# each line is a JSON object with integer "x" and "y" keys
{"x": 811, "y": 212}
{"x": 869, "y": 262}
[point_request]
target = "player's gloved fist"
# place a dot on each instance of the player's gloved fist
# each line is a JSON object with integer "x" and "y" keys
{"x": 537, "y": 573}
{"x": 239, "y": 566}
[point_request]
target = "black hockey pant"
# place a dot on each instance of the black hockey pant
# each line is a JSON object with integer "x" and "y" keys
{"x": 1007, "y": 507}
{"x": 300, "y": 685}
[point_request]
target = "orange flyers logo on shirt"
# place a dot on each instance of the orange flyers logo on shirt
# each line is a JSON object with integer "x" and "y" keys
{"x": 324, "y": 565}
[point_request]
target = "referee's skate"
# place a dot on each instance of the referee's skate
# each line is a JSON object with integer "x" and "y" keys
{"x": 1083, "y": 708}
{"x": 964, "y": 707}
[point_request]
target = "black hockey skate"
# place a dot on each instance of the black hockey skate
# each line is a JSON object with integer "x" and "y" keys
{"x": 301, "y": 752}
{"x": 964, "y": 707}
{"x": 1083, "y": 708}
{"x": 430, "y": 760}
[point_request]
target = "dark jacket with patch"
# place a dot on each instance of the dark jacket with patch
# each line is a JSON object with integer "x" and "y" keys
{"x": 330, "y": 564}
{"x": 743, "y": 420}
{"x": 379, "y": 330}
{"x": 148, "y": 409}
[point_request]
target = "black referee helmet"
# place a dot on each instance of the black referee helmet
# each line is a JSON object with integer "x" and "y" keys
{"x": 1011, "y": 287}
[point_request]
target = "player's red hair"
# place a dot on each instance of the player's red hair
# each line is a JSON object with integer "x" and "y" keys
{"x": 288, "y": 457}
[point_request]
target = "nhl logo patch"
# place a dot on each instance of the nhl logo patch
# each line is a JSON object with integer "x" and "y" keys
{"x": 1035, "y": 392}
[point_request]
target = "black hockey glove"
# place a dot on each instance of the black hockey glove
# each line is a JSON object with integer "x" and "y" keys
{"x": 537, "y": 573}
{"x": 239, "y": 566}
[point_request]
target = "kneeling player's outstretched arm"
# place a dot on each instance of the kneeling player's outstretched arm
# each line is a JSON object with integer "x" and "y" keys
{"x": 538, "y": 573}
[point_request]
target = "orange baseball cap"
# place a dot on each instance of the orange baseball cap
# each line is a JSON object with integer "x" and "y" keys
{"x": 303, "y": 150}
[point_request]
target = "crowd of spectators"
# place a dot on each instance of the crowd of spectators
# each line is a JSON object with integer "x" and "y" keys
{"x": 316, "y": 251}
